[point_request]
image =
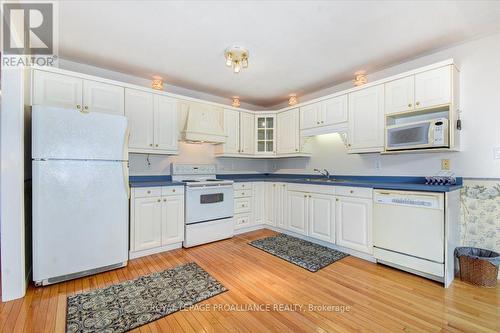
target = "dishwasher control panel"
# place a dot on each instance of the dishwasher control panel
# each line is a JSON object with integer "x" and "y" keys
{"x": 408, "y": 199}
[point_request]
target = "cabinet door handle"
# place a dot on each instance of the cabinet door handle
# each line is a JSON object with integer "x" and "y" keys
{"x": 86, "y": 107}
{"x": 418, "y": 103}
{"x": 173, "y": 190}
{"x": 351, "y": 191}
{"x": 78, "y": 106}
{"x": 151, "y": 145}
{"x": 149, "y": 192}
{"x": 409, "y": 105}
{"x": 336, "y": 199}
{"x": 156, "y": 145}
{"x": 159, "y": 200}
{"x": 164, "y": 200}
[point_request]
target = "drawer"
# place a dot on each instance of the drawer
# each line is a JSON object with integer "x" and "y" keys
{"x": 242, "y": 221}
{"x": 172, "y": 190}
{"x": 144, "y": 192}
{"x": 360, "y": 192}
{"x": 243, "y": 193}
{"x": 242, "y": 186}
{"x": 242, "y": 205}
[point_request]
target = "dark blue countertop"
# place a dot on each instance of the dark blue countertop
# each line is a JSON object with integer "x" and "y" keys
{"x": 378, "y": 182}
{"x": 152, "y": 181}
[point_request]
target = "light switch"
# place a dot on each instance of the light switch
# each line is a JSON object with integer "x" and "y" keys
{"x": 496, "y": 153}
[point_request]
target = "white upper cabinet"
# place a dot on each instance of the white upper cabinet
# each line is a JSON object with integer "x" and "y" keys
{"x": 103, "y": 97}
{"x": 310, "y": 116}
{"x": 166, "y": 133}
{"x": 153, "y": 122}
{"x": 297, "y": 212}
{"x": 354, "y": 223}
{"x": 322, "y": 217}
{"x": 421, "y": 91}
{"x": 265, "y": 129}
{"x": 433, "y": 87}
{"x": 57, "y": 90}
{"x": 288, "y": 132}
{"x": 334, "y": 111}
{"x": 329, "y": 112}
{"x": 139, "y": 110}
{"x": 400, "y": 95}
{"x": 247, "y": 133}
{"x": 232, "y": 131}
{"x": 366, "y": 120}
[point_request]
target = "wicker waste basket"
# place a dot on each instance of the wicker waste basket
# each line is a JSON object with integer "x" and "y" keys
{"x": 478, "y": 266}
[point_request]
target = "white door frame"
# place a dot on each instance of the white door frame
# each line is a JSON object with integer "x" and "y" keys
{"x": 12, "y": 221}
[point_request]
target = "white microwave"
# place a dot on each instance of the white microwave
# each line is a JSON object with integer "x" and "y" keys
{"x": 422, "y": 134}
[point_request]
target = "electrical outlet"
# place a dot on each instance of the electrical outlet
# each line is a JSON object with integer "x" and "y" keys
{"x": 445, "y": 164}
{"x": 496, "y": 153}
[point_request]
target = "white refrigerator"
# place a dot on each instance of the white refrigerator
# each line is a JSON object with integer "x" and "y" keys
{"x": 80, "y": 193}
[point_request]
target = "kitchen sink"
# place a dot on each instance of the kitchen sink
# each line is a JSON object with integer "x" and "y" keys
{"x": 327, "y": 180}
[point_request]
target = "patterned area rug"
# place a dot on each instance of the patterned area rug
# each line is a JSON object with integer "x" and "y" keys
{"x": 300, "y": 252}
{"x": 124, "y": 306}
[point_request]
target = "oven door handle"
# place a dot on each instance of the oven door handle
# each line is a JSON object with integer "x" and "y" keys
{"x": 206, "y": 187}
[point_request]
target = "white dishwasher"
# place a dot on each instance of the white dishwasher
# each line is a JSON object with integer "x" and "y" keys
{"x": 409, "y": 231}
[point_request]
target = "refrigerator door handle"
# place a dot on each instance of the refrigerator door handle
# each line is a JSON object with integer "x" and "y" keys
{"x": 125, "y": 143}
{"x": 125, "y": 178}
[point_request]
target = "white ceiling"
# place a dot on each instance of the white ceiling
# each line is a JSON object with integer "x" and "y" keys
{"x": 295, "y": 47}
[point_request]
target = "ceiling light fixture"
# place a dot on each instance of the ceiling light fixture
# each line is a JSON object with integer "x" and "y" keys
{"x": 236, "y": 102}
{"x": 360, "y": 79}
{"x": 236, "y": 57}
{"x": 157, "y": 84}
{"x": 293, "y": 100}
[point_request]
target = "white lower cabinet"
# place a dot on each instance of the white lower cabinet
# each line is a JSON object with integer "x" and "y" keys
{"x": 297, "y": 212}
{"x": 321, "y": 212}
{"x": 274, "y": 204}
{"x": 156, "y": 220}
{"x": 172, "y": 221}
{"x": 147, "y": 227}
{"x": 259, "y": 190}
{"x": 354, "y": 223}
{"x": 312, "y": 214}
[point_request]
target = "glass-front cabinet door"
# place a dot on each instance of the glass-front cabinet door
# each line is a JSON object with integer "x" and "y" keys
{"x": 266, "y": 134}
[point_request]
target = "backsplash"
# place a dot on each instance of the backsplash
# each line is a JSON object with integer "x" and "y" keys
{"x": 480, "y": 214}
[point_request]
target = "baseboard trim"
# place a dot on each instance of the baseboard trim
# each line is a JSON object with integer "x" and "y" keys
{"x": 143, "y": 253}
{"x": 354, "y": 253}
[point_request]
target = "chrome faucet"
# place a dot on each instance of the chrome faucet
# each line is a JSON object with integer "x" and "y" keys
{"x": 324, "y": 173}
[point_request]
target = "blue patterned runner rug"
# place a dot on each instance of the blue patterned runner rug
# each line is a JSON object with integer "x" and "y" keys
{"x": 300, "y": 252}
{"x": 127, "y": 305}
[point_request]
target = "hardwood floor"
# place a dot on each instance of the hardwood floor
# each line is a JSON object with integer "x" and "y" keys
{"x": 378, "y": 298}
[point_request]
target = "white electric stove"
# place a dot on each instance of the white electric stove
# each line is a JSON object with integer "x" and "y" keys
{"x": 209, "y": 203}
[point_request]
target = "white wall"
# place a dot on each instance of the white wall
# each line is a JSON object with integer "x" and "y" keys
{"x": 479, "y": 64}
{"x": 12, "y": 185}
